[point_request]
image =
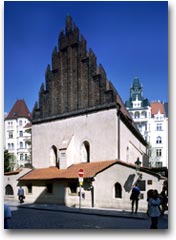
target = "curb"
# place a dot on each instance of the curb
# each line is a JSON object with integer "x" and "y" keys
{"x": 96, "y": 212}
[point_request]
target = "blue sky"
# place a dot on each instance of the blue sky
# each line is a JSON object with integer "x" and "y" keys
{"x": 129, "y": 39}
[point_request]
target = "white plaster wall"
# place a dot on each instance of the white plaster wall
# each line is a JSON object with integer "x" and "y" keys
{"x": 12, "y": 180}
{"x": 99, "y": 129}
{"x": 104, "y": 188}
{"x": 127, "y": 139}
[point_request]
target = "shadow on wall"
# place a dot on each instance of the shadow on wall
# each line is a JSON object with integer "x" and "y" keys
{"x": 52, "y": 193}
{"x": 129, "y": 182}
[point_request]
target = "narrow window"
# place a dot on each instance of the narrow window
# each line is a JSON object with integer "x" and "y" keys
{"x": 118, "y": 190}
{"x": 53, "y": 156}
{"x": 85, "y": 152}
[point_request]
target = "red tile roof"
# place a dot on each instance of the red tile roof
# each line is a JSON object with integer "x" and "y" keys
{"x": 13, "y": 172}
{"x": 156, "y": 107}
{"x": 28, "y": 125}
{"x": 90, "y": 170}
{"x": 19, "y": 109}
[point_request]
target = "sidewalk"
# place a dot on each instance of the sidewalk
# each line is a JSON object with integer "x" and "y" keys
{"x": 77, "y": 210}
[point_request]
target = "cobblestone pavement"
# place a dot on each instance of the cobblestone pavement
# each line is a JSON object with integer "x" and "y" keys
{"x": 35, "y": 216}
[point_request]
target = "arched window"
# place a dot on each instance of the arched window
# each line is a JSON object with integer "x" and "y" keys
{"x": 85, "y": 152}
{"x": 118, "y": 190}
{"x": 9, "y": 190}
{"x": 144, "y": 114}
{"x": 136, "y": 115}
{"x": 53, "y": 156}
{"x": 158, "y": 140}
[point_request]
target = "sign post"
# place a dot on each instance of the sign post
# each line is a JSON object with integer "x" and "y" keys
{"x": 81, "y": 175}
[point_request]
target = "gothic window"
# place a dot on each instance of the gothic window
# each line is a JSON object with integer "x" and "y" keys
{"x": 53, "y": 156}
{"x": 85, "y": 152}
{"x": 9, "y": 190}
{"x": 118, "y": 190}
{"x": 158, "y": 140}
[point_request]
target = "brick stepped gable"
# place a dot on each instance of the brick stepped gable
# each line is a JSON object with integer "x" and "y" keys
{"x": 75, "y": 82}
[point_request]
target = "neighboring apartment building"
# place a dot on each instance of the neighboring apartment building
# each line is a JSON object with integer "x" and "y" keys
{"x": 18, "y": 134}
{"x": 152, "y": 122}
{"x": 158, "y": 150}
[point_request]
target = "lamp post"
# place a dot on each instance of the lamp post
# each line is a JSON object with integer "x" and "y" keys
{"x": 138, "y": 164}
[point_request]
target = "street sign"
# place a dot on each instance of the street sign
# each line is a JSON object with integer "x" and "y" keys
{"x": 81, "y": 181}
{"x": 81, "y": 173}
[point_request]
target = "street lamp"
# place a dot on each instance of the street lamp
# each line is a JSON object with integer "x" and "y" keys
{"x": 138, "y": 164}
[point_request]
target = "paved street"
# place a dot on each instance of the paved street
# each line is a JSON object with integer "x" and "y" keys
{"x": 36, "y": 218}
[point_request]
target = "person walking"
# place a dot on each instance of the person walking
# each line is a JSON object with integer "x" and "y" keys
{"x": 21, "y": 194}
{"x": 7, "y": 215}
{"x": 135, "y": 198}
{"x": 153, "y": 207}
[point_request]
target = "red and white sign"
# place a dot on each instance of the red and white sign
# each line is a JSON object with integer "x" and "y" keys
{"x": 81, "y": 173}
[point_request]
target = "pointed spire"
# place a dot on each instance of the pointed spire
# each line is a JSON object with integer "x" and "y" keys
{"x": 68, "y": 24}
{"x": 54, "y": 51}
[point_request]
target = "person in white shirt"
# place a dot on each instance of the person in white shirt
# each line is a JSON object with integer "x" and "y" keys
{"x": 21, "y": 194}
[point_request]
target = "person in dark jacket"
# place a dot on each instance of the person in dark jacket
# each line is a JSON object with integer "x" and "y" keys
{"x": 135, "y": 198}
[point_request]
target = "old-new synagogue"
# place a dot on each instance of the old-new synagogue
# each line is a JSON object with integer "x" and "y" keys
{"x": 80, "y": 122}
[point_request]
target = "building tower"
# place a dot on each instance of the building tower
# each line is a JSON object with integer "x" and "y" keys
{"x": 139, "y": 108}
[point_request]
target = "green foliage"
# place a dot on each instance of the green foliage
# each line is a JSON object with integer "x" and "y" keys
{"x": 7, "y": 157}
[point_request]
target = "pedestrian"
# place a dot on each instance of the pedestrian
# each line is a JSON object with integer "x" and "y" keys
{"x": 21, "y": 194}
{"x": 164, "y": 200}
{"x": 153, "y": 207}
{"x": 7, "y": 215}
{"x": 135, "y": 198}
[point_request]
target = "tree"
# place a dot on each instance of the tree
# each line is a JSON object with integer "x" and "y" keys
{"x": 7, "y": 157}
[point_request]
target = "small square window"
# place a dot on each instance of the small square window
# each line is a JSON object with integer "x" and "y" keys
{"x": 149, "y": 182}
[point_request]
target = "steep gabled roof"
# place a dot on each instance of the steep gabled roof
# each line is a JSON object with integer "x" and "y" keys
{"x": 19, "y": 109}
{"x": 157, "y": 107}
